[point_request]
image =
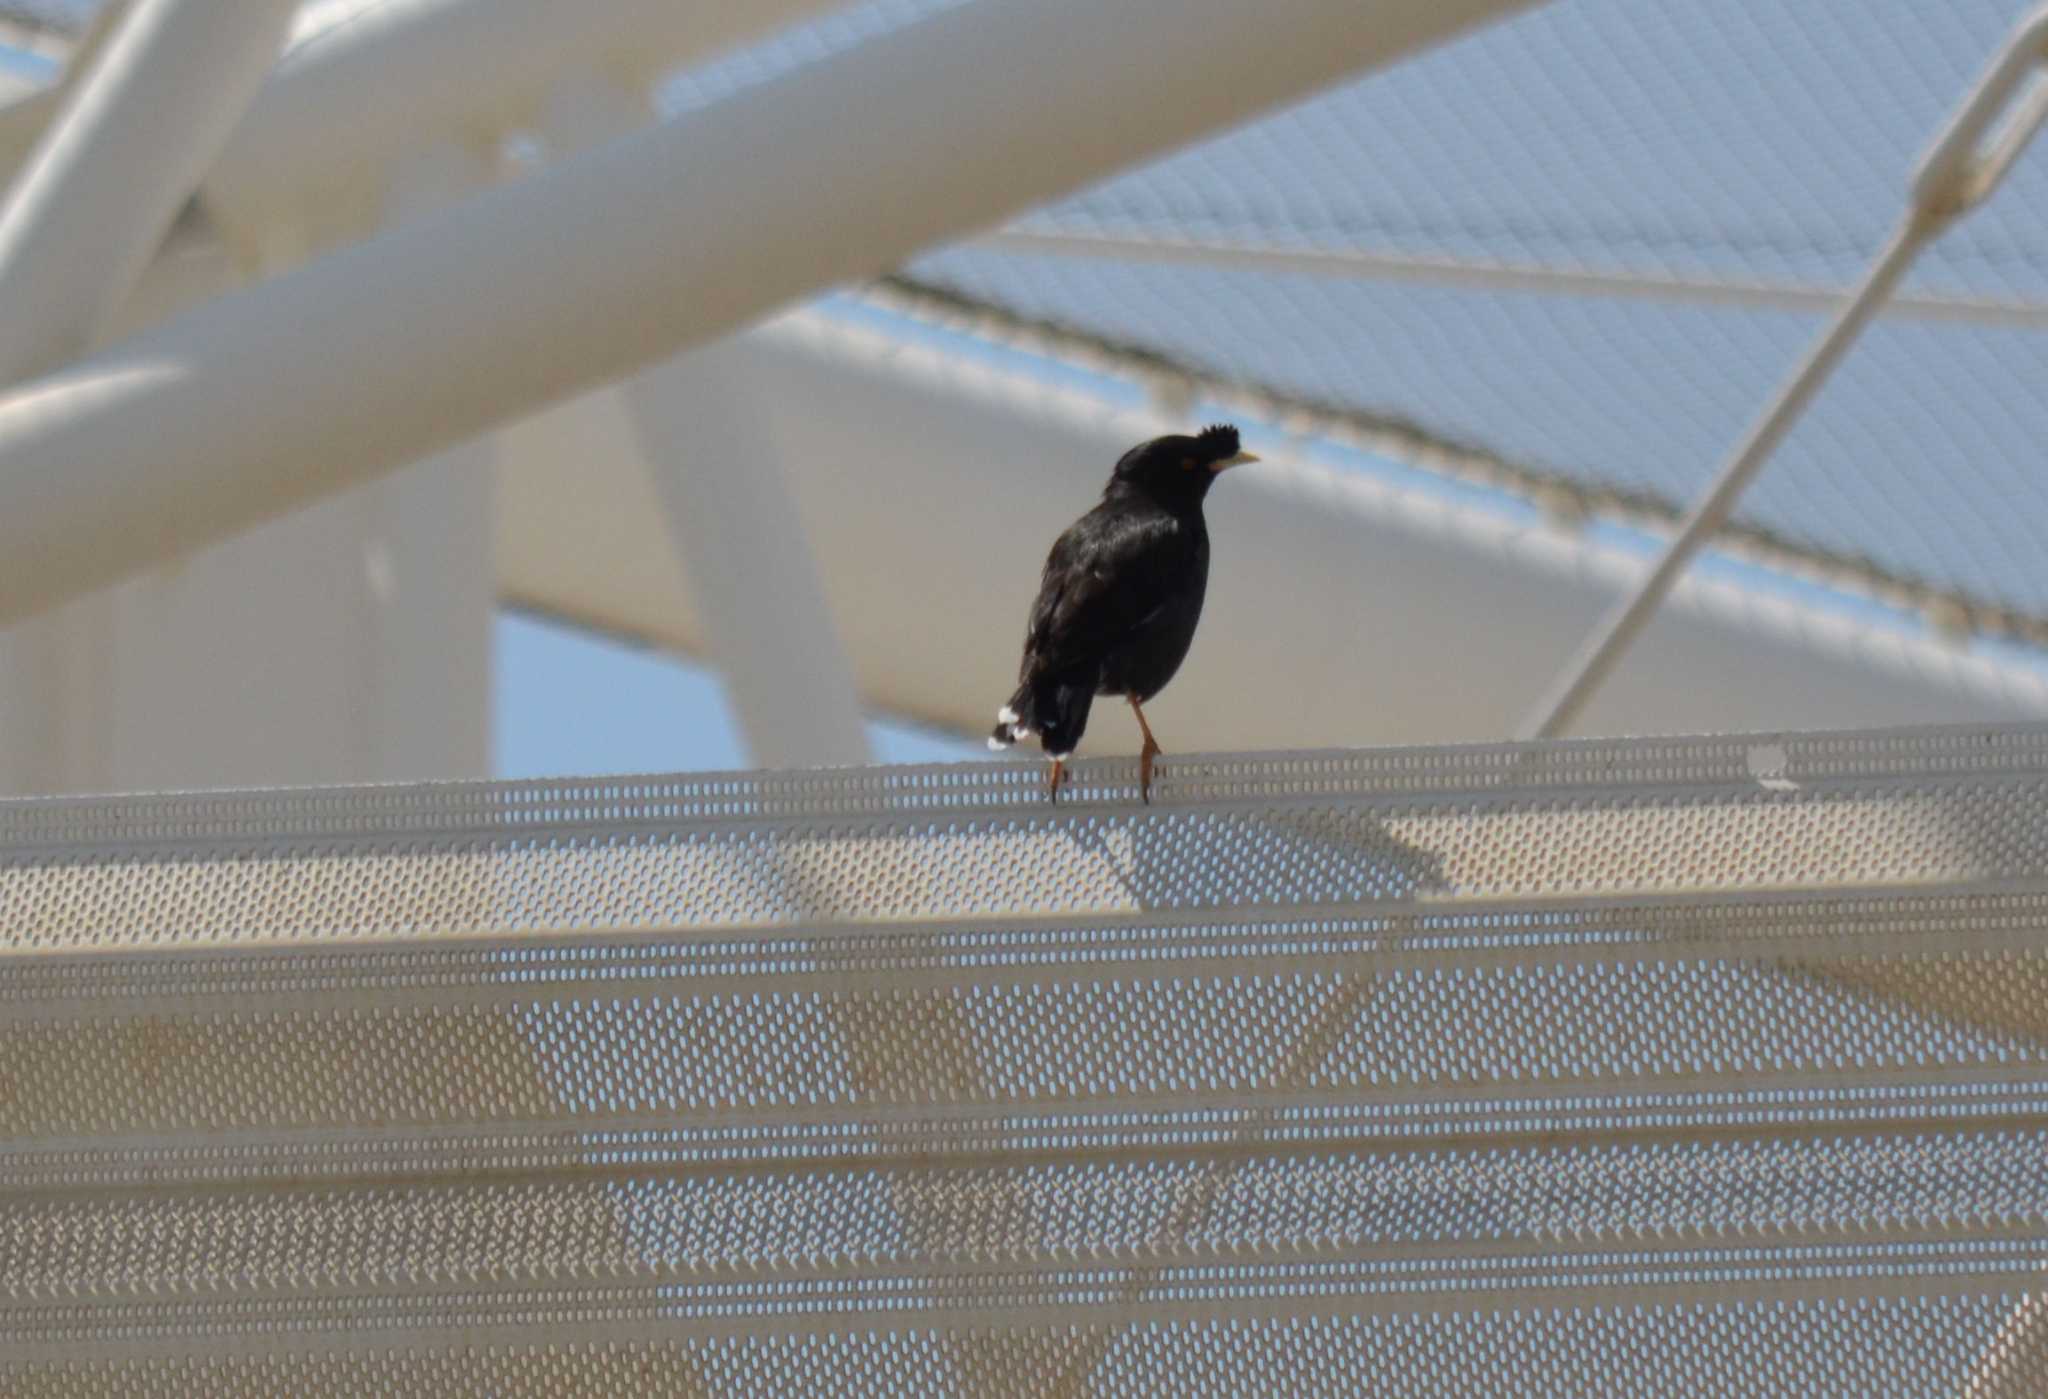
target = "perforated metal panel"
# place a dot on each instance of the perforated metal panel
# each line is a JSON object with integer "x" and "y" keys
{"x": 1665, "y": 1066}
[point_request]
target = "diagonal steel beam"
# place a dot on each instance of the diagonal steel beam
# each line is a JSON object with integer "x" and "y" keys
{"x": 381, "y": 353}
{"x": 134, "y": 133}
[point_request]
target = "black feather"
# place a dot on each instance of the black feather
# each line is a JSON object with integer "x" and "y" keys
{"x": 1121, "y": 592}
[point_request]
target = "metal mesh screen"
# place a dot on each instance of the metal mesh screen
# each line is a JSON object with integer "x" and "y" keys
{"x": 1590, "y": 240}
{"x": 1661, "y": 1066}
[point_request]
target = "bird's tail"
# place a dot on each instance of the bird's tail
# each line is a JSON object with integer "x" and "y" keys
{"x": 1053, "y": 710}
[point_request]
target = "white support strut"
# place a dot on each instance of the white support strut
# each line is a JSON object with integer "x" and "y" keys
{"x": 439, "y": 68}
{"x": 705, "y": 434}
{"x": 384, "y": 352}
{"x": 150, "y": 95}
{"x": 706, "y": 440}
{"x": 445, "y": 67}
{"x": 345, "y": 642}
{"x": 136, "y": 131}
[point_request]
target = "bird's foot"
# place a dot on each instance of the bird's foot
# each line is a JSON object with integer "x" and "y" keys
{"x": 1060, "y": 777}
{"x": 1147, "y": 754}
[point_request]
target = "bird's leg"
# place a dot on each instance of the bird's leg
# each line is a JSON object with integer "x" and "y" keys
{"x": 1150, "y": 751}
{"x": 1059, "y": 779}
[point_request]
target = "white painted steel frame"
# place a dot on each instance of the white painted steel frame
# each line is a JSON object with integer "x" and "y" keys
{"x": 440, "y": 69}
{"x": 238, "y": 411}
{"x": 707, "y": 440}
{"x": 136, "y": 131}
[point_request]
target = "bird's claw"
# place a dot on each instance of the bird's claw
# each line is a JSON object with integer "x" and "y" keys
{"x": 1060, "y": 778}
{"x": 1145, "y": 757}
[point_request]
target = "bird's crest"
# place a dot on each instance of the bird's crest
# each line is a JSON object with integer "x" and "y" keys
{"x": 1219, "y": 441}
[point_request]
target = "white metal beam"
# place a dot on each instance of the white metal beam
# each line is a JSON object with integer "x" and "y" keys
{"x": 27, "y": 115}
{"x": 123, "y": 153}
{"x": 423, "y": 606}
{"x": 1393, "y": 615}
{"x": 365, "y": 80}
{"x": 704, "y": 428}
{"x": 440, "y": 69}
{"x": 348, "y": 642}
{"x": 706, "y": 440}
{"x": 144, "y": 107}
{"x": 596, "y": 268}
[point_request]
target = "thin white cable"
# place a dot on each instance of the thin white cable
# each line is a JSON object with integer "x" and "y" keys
{"x": 1959, "y": 172}
{"x": 1365, "y": 264}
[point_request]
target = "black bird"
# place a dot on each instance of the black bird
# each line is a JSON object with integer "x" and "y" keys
{"x": 1122, "y": 592}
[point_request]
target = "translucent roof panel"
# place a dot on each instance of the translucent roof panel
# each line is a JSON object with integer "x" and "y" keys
{"x": 1746, "y": 139}
{"x": 1922, "y": 458}
{"x": 1747, "y": 142}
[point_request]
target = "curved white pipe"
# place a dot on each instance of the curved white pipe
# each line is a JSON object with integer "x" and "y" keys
{"x": 137, "y": 129}
{"x": 446, "y": 69}
{"x": 384, "y": 352}
{"x": 368, "y": 79}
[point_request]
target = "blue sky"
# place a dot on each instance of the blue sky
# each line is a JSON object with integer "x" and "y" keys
{"x": 28, "y": 65}
{"x": 571, "y": 703}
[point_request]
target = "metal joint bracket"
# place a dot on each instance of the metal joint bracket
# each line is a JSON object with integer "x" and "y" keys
{"x": 1969, "y": 159}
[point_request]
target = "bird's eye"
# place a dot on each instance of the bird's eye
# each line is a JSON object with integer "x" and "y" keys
{"x": 1187, "y": 463}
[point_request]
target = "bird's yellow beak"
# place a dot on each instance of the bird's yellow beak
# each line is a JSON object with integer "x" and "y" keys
{"x": 1239, "y": 460}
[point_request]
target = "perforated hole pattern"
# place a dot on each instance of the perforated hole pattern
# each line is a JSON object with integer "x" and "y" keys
{"x": 1572, "y": 1068}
